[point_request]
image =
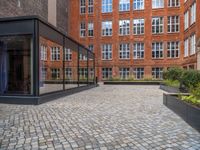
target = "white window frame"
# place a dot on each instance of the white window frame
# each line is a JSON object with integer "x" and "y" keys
{"x": 55, "y": 54}
{"x": 186, "y": 20}
{"x": 138, "y": 50}
{"x": 173, "y": 49}
{"x": 124, "y": 51}
{"x": 138, "y": 4}
{"x": 55, "y": 71}
{"x": 124, "y": 5}
{"x": 107, "y": 6}
{"x": 82, "y": 29}
{"x": 90, "y": 6}
{"x": 82, "y": 6}
{"x": 43, "y": 54}
{"x": 106, "y": 51}
{"x": 83, "y": 73}
{"x": 193, "y": 14}
{"x": 68, "y": 73}
{"x": 106, "y": 28}
{"x": 90, "y": 29}
{"x": 173, "y": 24}
{"x": 124, "y": 73}
{"x": 138, "y": 26}
{"x": 157, "y": 50}
{"x": 186, "y": 47}
{"x": 173, "y": 3}
{"x": 157, "y": 73}
{"x": 192, "y": 44}
{"x": 138, "y": 73}
{"x": 160, "y": 25}
{"x": 158, "y": 4}
{"x": 124, "y": 27}
{"x": 68, "y": 54}
{"x": 106, "y": 73}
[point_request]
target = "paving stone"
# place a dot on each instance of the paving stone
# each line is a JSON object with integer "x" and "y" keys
{"x": 106, "y": 117}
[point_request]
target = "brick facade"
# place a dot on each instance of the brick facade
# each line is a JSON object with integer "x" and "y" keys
{"x": 10, "y": 8}
{"x": 147, "y": 63}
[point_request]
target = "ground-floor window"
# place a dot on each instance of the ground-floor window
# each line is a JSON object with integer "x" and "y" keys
{"x": 68, "y": 73}
{"x": 138, "y": 73}
{"x": 124, "y": 73}
{"x": 55, "y": 73}
{"x": 157, "y": 73}
{"x": 83, "y": 73}
{"x": 106, "y": 73}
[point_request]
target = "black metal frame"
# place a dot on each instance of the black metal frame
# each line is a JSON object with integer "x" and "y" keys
{"x": 35, "y": 26}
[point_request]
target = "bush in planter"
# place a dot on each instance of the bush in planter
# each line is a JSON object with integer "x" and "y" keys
{"x": 173, "y": 74}
{"x": 172, "y": 83}
{"x": 190, "y": 78}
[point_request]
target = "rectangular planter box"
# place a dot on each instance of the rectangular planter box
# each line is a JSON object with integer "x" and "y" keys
{"x": 132, "y": 83}
{"x": 187, "y": 112}
{"x": 169, "y": 89}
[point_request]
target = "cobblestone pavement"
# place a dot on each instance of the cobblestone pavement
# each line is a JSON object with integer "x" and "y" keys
{"x": 106, "y": 117}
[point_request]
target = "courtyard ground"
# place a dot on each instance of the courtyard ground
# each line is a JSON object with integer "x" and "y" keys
{"x": 106, "y": 117}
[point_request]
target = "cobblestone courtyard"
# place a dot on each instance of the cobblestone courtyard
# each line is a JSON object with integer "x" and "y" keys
{"x": 106, "y": 117}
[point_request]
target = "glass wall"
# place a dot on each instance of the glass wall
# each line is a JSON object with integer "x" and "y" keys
{"x": 15, "y": 65}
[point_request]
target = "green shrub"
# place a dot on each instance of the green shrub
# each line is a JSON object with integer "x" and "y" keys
{"x": 190, "y": 78}
{"x": 173, "y": 74}
{"x": 172, "y": 83}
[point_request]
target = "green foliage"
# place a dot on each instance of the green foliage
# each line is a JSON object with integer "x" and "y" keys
{"x": 172, "y": 83}
{"x": 190, "y": 78}
{"x": 173, "y": 74}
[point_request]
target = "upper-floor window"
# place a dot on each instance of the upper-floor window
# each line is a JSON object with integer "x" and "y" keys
{"x": 173, "y": 24}
{"x": 91, "y": 47}
{"x": 124, "y": 51}
{"x": 193, "y": 14}
{"x": 107, "y": 28}
{"x": 192, "y": 44}
{"x": 173, "y": 49}
{"x": 157, "y": 50}
{"x": 138, "y": 50}
{"x": 124, "y": 5}
{"x": 55, "y": 53}
{"x": 157, "y": 73}
{"x": 124, "y": 27}
{"x": 157, "y": 25}
{"x": 173, "y": 3}
{"x": 186, "y": 47}
{"x": 90, "y": 6}
{"x": 82, "y": 29}
{"x": 43, "y": 50}
{"x": 124, "y": 73}
{"x": 106, "y": 6}
{"x": 68, "y": 54}
{"x": 138, "y": 26}
{"x": 138, "y": 4}
{"x": 82, "y": 7}
{"x": 106, "y": 52}
{"x": 157, "y": 3}
{"x": 138, "y": 73}
{"x": 186, "y": 20}
{"x": 90, "y": 29}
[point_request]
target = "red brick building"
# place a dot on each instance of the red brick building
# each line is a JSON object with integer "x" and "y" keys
{"x": 137, "y": 38}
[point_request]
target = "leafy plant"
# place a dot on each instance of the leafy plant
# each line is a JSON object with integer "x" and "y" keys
{"x": 173, "y": 73}
{"x": 172, "y": 83}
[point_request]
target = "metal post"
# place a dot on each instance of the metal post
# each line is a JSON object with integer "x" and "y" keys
{"x": 63, "y": 63}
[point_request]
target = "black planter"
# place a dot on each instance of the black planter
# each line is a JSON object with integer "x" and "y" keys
{"x": 169, "y": 89}
{"x": 188, "y": 112}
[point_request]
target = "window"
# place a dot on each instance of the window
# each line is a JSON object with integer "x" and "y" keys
{"x": 124, "y": 27}
{"x": 193, "y": 14}
{"x": 82, "y": 57}
{"x": 82, "y": 7}
{"x": 90, "y": 6}
{"x": 157, "y": 3}
{"x": 138, "y": 73}
{"x": 186, "y": 44}
{"x": 91, "y": 73}
{"x": 106, "y": 52}
{"x": 157, "y": 73}
{"x": 157, "y": 50}
{"x": 68, "y": 54}
{"x": 43, "y": 52}
{"x": 157, "y": 25}
{"x": 138, "y": 50}
{"x": 124, "y": 5}
{"x": 91, "y": 47}
{"x": 55, "y": 73}
{"x": 138, "y": 26}
{"x": 173, "y": 3}
{"x": 90, "y": 29}
{"x": 106, "y": 6}
{"x": 192, "y": 44}
{"x": 82, "y": 29}
{"x": 68, "y": 73}
{"x": 124, "y": 73}
{"x": 44, "y": 74}
{"x": 173, "y": 24}
{"x": 107, "y": 28}
{"x": 138, "y": 4}
{"x": 106, "y": 73}
{"x": 124, "y": 51}
{"x": 55, "y": 53}
{"x": 173, "y": 49}
{"x": 186, "y": 20}
{"x": 83, "y": 73}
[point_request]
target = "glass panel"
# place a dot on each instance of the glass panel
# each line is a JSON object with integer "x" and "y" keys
{"x": 71, "y": 64}
{"x": 83, "y": 67}
{"x": 51, "y": 66}
{"x": 91, "y": 67}
{"x": 15, "y": 65}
